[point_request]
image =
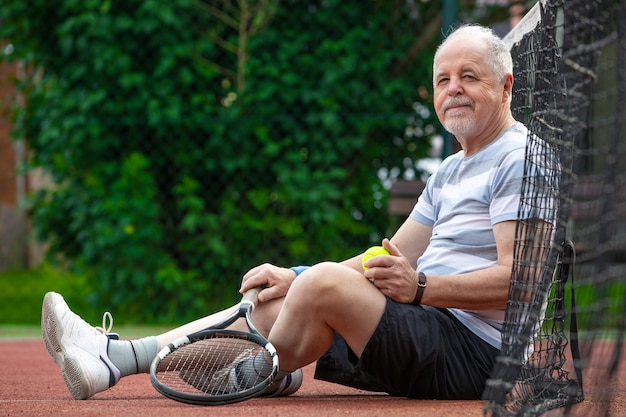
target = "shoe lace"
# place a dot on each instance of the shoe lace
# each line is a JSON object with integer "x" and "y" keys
{"x": 107, "y": 323}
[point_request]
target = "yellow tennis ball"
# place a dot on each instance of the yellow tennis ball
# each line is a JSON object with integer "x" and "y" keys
{"x": 370, "y": 253}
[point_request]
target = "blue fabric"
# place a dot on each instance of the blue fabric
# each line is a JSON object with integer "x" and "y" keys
{"x": 299, "y": 269}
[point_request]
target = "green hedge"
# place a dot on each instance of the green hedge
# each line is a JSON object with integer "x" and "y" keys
{"x": 189, "y": 141}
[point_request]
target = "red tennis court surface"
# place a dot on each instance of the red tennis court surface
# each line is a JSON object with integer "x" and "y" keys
{"x": 31, "y": 385}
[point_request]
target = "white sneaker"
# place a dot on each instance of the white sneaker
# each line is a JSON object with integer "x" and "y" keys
{"x": 248, "y": 371}
{"x": 78, "y": 348}
{"x": 286, "y": 386}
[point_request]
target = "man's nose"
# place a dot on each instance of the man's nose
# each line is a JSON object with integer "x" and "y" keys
{"x": 455, "y": 87}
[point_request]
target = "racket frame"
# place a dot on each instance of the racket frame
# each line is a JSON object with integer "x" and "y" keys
{"x": 247, "y": 305}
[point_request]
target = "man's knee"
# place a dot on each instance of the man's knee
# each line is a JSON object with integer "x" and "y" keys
{"x": 321, "y": 277}
{"x": 322, "y": 284}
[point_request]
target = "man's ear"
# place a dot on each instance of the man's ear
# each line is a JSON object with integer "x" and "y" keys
{"x": 508, "y": 88}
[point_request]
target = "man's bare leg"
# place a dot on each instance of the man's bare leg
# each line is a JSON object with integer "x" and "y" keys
{"x": 325, "y": 299}
{"x": 93, "y": 360}
{"x": 263, "y": 318}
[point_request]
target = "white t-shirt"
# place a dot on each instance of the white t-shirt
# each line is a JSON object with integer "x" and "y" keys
{"x": 461, "y": 202}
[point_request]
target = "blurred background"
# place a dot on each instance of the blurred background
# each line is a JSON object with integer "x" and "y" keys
{"x": 152, "y": 152}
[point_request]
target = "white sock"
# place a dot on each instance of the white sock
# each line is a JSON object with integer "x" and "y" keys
{"x": 133, "y": 356}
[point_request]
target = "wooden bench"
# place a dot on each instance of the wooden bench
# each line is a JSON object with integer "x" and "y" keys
{"x": 587, "y": 204}
{"x": 586, "y": 211}
{"x": 403, "y": 196}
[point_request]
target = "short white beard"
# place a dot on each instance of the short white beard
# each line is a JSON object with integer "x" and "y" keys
{"x": 460, "y": 126}
{"x": 456, "y": 125}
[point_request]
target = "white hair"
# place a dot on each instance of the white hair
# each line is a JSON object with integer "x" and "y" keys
{"x": 498, "y": 55}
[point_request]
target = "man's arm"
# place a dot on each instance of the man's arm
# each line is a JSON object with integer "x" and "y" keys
{"x": 483, "y": 289}
{"x": 412, "y": 238}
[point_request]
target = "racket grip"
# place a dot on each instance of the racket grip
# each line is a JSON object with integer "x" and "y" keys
{"x": 252, "y": 296}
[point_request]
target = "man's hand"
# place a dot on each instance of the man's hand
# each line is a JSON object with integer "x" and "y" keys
{"x": 393, "y": 275}
{"x": 277, "y": 279}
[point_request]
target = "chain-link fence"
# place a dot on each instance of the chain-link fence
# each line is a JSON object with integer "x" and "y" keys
{"x": 188, "y": 141}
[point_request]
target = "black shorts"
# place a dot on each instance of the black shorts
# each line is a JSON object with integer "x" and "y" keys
{"x": 416, "y": 352}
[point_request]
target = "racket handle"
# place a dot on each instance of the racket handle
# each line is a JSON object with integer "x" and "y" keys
{"x": 252, "y": 296}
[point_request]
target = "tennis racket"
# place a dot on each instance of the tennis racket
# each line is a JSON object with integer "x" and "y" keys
{"x": 217, "y": 366}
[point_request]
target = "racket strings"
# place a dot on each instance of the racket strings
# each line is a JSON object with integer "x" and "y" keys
{"x": 222, "y": 364}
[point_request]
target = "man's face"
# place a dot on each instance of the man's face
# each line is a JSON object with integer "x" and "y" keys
{"x": 467, "y": 96}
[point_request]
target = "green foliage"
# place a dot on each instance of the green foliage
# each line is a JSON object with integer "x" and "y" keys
{"x": 185, "y": 150}
{"x": 21, "y": 294}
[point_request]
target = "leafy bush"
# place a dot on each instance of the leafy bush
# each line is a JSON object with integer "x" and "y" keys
{"x": 186, "y": 147}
